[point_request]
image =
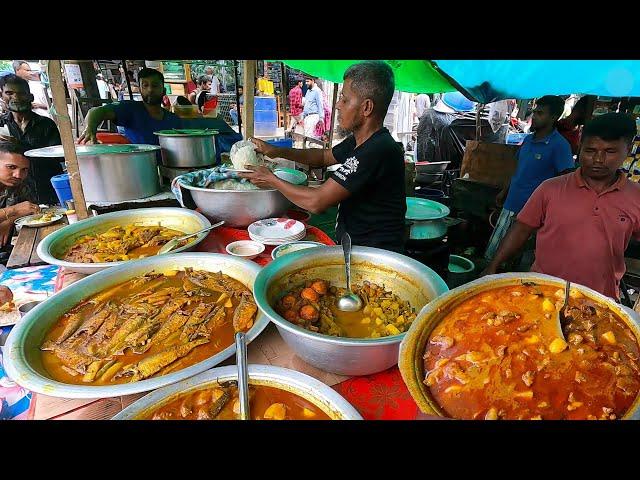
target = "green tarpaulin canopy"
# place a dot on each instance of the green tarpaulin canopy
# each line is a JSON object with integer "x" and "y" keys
{"x": 414, "y": 76}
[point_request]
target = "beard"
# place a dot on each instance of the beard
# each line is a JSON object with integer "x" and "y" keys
{"x": 152, "y": 99}
{"x": 18, "y": 106}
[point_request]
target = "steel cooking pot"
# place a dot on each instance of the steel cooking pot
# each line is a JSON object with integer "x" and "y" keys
{"x": 426, "y": 218}
{"x": 112, "y": 173}
{"x": 187, "y": 147}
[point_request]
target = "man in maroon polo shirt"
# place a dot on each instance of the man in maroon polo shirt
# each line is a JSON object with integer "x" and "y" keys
{"x": 585, "y": 219}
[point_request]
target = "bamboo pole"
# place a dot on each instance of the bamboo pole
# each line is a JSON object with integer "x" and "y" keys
{"x": 54, "y": 70}
{"x": 249, "y": 92}
{"x": 333, "y": 114}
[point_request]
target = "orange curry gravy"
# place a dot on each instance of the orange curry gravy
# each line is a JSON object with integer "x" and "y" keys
{"x": 220, "y": 330}
{"x": 496, "y": 355}
{"x": 220, "y": 403}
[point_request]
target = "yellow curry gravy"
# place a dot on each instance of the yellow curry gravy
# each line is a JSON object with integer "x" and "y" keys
{"x": 221, "y": 336}
{"x": 497, "y": 356}
{"x": 265, "y": 403}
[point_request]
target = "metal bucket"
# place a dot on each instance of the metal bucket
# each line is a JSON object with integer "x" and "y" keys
{"x": 187, "y": 148}
{"x": 112, "y": 173}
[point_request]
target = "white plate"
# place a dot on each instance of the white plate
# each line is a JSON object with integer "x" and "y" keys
{"x": 267, "y": 241}
{"x": 295, "y": 237}
{"x": 277, "y": 229}
{"x": 23, "y": 221}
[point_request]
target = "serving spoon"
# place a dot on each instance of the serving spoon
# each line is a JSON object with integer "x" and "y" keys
{"x": 561, "y": 318}
{"x": 243, "y": 375}
{"x": 349, "y": 302}
{"x": 171, "y": 244}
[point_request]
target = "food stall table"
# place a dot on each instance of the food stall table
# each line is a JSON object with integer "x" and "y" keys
{"x": 24, "y": 252}
{"x": 378, "y": 396}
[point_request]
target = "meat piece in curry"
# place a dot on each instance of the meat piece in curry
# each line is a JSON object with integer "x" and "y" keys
{"x": 313, "y": 307}
{"x": 221, "y": 403}
{"x": 496, "y": 356}
{"x": 121, "y": 243}
{"x": 148, "y": 326}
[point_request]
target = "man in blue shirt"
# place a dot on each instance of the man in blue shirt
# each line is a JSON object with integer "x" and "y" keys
{"x": 313, "y": 110}
{"x": 139, "y": 119}
{"x": 542, "y": 155}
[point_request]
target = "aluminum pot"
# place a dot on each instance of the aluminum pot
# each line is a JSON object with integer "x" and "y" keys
{"x": 321, "y": 395}
{"x": 112, "y": 173}
{"x": 240, "y": 208}
{"x": 52, "y": 248}
{"x": 184, "y": 148}
{"x": 22, "y": 354}
{"x": 413, "y": 345}
{"x": 409, "y": 279}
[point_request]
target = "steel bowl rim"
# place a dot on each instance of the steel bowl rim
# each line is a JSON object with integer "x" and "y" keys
{"x": 38, "y": 383}
{"x": 146, "y": 149}
{"x": 202, "y": 189}
{"x": 406, "y": 361}
{"x": 43, "y": 248}
{"x": 279, "y": 247}
{"x": 280, "y": 375}
{"x": 267, "y": 272}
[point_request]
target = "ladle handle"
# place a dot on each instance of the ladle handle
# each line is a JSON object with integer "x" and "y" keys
{"x": 243, "y": 376}
{"x": 215, "y": 225}
{"x": 346, "y": 248}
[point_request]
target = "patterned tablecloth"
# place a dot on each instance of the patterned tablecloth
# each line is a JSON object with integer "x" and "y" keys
{"x": 27, "y": 284}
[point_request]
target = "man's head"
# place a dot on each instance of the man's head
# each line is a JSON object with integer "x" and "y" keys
{"x": 23, "y": 69}
{"x": 208, "y": 71}
{"x": 204, "y": 82}
{"x": 299, "y": 83}
{"x": 15, "y": 93}
{"x": 366, "y": 94}
{"x": 547, "y": 111}
{"x": 310, "y": 81}
{"x": 605, "y": 144}
{"x": 151, "y": 83}
{"x": 240, "y": 90}
{"x": 14, "y": 166}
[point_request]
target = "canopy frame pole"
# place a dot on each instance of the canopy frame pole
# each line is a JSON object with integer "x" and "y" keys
{"x": 240, "y": 111}
{"x": 333, "y": 113}
{"x": 54, "y": 71}
{"x": 126, "y": 78}
{"x": 249, "y": 93}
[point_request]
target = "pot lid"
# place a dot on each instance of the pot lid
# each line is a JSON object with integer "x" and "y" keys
{"x": 424, "y": 209}
{"x": 56, "y": 151}
{"x": 187, "y": 132}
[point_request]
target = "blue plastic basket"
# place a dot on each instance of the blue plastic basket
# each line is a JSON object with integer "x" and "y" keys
{"x": 265, "y": 116}
{"x": 264, "y": 103}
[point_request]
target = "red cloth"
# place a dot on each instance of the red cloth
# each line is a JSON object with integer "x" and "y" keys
{"x": 571, "y": 133}
{"x": 381, "y": 396}
{"x": 295, "y": 101}
{"x": 219, "y": 238}
{"x": 583, "y": 235}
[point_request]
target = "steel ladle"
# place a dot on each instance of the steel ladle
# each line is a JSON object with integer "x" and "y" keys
{"x": 349, "y": 302}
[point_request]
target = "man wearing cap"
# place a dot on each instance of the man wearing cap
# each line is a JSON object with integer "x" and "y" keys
{"x": 542, "y": 155}
{"x": 433, "y": 123}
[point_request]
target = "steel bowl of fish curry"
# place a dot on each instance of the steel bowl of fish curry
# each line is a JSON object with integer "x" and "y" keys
{"x": 173, "y": 314}
{"x": 491, "y": 350}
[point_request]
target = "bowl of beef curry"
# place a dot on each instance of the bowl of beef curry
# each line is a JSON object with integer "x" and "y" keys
{"x": 490, "y": 350}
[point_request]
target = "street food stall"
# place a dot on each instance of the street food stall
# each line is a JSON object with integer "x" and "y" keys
{"x": 134, "y": 332}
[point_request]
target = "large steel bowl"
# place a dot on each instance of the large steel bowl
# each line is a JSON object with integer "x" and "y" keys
{"x": 52, "y": 248}
{"x": 112, "y": 173}
{"x": 22, "y": 353}
{"x": 413, "y": 346}
{"x": 407, "y": 278}
{"x": 183, "y": 148}
{"x": 321, "y": 395}
{"x": 239, "y": 208}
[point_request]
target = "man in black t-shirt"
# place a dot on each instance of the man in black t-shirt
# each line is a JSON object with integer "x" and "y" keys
{"x": 369, "y": 186}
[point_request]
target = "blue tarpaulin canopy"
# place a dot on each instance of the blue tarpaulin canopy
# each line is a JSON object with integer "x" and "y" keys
{"x": 490, "y": 80}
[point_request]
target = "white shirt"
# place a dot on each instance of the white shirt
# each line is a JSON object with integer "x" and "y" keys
{"x": 103, "y": 88}
{"x": 215, "y": 85}
{"x": 37, "y": 90}
{"x": 423, "y": 102}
